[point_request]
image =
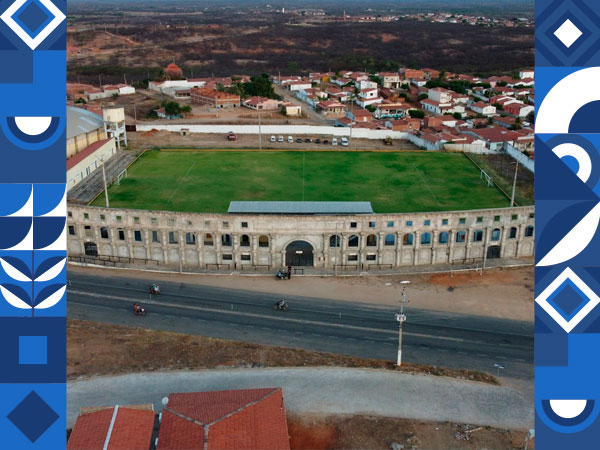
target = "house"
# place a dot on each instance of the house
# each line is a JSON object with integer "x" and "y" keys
{"x": 285, "y": 80}
{"x": 342, "y": 81}
{"x": 291, "y": 110}
{"x": 393, "y": 110}
{"x": 483, "y": 108}
{"x": 411, "y": 74}
{"x": 503, "y": 100}
{"x": 358, "y": 76}
{"x": 391, "y": 80}
{"x": 431, "y": 74}
{"x": 170, "y": 87}
{"x": 249, "y": 419}
{"x": 419, "y": 82}
{"x": 438, "y": 108}
{"x": 311, "y": 96}
{"x": 162, "y": 114}
{"x": 506, "y": 122}
{"x": 518, "y": 109}
{"x": 360, "y": 115}
{"x": 495, "y": 137}
{"x": 440, "y": 121}
{"x": 109, "y": 90}
{"x": 527, "y": 73}
{"x": 262, "y": 103}
{"x": 336, "y": 93}
{"x": 440, "y": 95}
{"x": 295, "y": 86}
{"x": 405, "y": 125}
{"x": 331, "y": 109}
{"x": 365, "y": 84}
{"x": 368, "y": 97}
{"x": 214, "y": 98}
{"x": 113, "y": 428}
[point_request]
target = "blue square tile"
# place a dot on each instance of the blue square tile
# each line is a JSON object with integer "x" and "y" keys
{"x": 33, "y": 350}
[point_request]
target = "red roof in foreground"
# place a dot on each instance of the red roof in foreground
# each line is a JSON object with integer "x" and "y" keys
{"x": 78, "y": 157}
{"x": 250, "y": 419}
{"x": 132, "y": 430}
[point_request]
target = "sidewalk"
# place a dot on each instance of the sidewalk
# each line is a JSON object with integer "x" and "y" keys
{"x": 324, "y": 390}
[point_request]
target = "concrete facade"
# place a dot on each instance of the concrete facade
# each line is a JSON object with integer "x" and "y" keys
{"x": 197, "y": 241}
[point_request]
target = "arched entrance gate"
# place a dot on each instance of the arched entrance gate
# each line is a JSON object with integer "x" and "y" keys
{"x": 299, "y": 254}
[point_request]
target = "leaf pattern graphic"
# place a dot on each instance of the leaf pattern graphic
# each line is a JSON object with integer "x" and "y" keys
{"x": 15, "y": 268}
{"x": 50, "y": 268}
{"x": 15, "y": 296}
{"x": 50, "y": 296}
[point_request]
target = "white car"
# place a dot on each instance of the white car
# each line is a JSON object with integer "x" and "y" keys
{"x": 334, "y": 141}
{"x": 273, "y": 139}
{"x": 344, "y": 142}
{"x": 290, "y": 139}
{"x": 280, "y": 139}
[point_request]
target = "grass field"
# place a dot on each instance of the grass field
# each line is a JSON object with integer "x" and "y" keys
{"x": 393, "y": 181}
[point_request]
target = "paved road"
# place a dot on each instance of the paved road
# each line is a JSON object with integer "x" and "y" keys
{"x": 443, "y": 339}
{"x": 323, "y": 390}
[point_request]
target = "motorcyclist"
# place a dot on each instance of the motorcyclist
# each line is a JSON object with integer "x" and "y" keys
{"x": 281, "y": 304}
{"x": 136, "y": 308}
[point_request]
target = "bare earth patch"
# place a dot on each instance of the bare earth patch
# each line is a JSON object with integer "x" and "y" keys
{"x": 316, "y": 432}
{"x": 100, "y": 349}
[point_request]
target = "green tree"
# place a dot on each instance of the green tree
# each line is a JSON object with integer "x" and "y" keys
{"x": 422, "y": 97}
{"x": 259, "y": 86}
{"x": 416, "y": 114}
{"x": 457, "y": 116}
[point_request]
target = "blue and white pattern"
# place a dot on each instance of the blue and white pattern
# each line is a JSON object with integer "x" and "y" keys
{"x": 33, "y": 213}
{"x": 567, "y": 310}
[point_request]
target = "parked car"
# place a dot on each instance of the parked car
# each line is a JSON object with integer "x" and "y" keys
{"x": 299, "y": 141}
{"x": 231, "y": 136}
{"x": 308, "y": 140}
{"x": 290, "y": 139}
{"x": 280, "y": 139}
{"x": 334, "y": 141}
{"x": 325, "y": 141}
{"x": 317, "y": 141}
{"x": 344, "y": 142}
{"x": 273, "y": 139}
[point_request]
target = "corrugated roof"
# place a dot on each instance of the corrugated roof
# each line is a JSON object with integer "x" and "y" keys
{"x": 319, "y": 208}
{"x": 80, "y": 121}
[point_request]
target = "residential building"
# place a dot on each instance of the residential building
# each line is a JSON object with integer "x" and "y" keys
{"x": 214, "y": 98}
{"x": 368, "y": 97}
{"x": 262, "y": 103}
{"x": 411, "y": 74}
{"x": 295, "y": 86}
{"x": 391, "y": 80}
{"x": 405, "y": 125}
{"x": 393, "y": 110}
{"x": 363, "y": 85}
{"x": 483, "y": 108}
{"x": 440, "y": 95}
{"x": 291, "y": 110}
{"x": 360, "y": 115}
{"x": 331, "y": 109}
{"x": 518, "y": 109}
{"x": 495, "y": 137}
{"x": 249, "y": 419}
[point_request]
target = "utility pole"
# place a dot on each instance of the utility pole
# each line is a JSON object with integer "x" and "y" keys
{"x": 100, "y": 80}
{"x": 512, "y": 198}
{"x": 259, "y": 128}
{"x": 401, "y": 318}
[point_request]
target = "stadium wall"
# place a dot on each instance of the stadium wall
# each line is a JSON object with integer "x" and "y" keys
{"x": 198, "y": 241}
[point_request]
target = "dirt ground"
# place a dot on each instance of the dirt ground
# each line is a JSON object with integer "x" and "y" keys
{"x": 100, "y": 349}
{"x": 366, "y": 432}
{"x": 499, "y": 293}
{"x": 250, "y": 141}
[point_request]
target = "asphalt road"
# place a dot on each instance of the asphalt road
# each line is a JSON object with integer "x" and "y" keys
{"x": 362, "y": 330}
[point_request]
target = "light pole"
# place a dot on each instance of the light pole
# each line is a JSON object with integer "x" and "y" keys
{"x": 512, "y": 198}
{"x": 259, "y": 129}
{"x": 105, "y": 186}
{"x": 401, "y": 318}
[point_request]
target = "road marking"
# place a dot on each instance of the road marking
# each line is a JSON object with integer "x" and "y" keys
{"x": 261, "y": 316}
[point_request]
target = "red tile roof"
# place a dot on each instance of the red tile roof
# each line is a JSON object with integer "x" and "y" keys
{"x": 250, "y": 419}
{"x": 78, "y": 157}
{"x": 132, "y": 430}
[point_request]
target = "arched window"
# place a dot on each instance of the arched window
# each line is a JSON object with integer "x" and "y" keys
{"x": 245, "y": 241}
{"x": 226, "y": 240}
{"x": 426, "y": 238}
{"x": 443, "y": 239}
{"x": 478, "y": 236}
{"x": 390, "y": 240}
{"x": 208, "y": 239}
{"x": 190, "y": 239}
{"x": 529, "y": 231}
{"x": 263, "y": 241}
{"x": 496, "y": 234}
{"x": 335, "y": 241}
{"x": 407, "y": 239}
{"x": 353, "y": 241}
{"x": 371, "y": 240}
{"x": 513, "y": 233}
{"x": 461, "y": 236}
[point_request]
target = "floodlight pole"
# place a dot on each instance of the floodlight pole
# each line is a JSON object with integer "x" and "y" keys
{"x": 105, "y": 186}
{"x": 401, "y": 318}
{"x": 259, "y": 129}
{"x": 512, "y": 198}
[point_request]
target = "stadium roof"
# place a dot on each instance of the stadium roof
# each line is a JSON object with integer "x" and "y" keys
{"x": 314, "y": 208}
{"x": 81, "y": 121}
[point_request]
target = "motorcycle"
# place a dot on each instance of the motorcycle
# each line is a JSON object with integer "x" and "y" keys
{"x": 138, "y": 310}
{"x": 280, "y": 306}
{"x": 281, "y": 275}
{"x": 154, "y": 289}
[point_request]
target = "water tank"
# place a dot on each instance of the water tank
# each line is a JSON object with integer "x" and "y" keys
{"x": 114, "y": 115}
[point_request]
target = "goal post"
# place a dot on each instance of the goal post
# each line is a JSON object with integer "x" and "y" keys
{"x": 122, "y": 174}
{"x": 487, "y": 178}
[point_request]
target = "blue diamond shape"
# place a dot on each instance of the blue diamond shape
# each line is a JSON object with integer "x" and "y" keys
{"x": 33, "y": 416}
{"x": 33, "y": 17}
{"x": 585, "y": 33}
{"x": 568, "y": 300}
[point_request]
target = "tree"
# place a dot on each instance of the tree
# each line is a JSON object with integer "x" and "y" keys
{"x": 376, "y": 79}
{"x": 422, "y": 97}
{"x": 457, "y": 116}
{"x": 172, "y": 108}
{"x": 530, "y": 117}
{"x": 81, "y": 100}
{"x": 370, "y": 108}
{"x": 416, "y": 114}
{"x": 259, "y": 87}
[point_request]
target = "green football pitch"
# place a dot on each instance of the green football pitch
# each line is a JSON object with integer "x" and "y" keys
{"x": 394, "y": 182}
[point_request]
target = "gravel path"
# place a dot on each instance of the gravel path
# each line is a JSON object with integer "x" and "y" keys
{"x": 323, "y": 390}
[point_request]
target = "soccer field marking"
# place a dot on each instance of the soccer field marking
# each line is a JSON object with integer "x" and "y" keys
{"x": 182, "y": 180}
{"x": 426, "y": 184}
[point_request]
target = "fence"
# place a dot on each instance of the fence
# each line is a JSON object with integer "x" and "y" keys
{"x": 519, "y": 156}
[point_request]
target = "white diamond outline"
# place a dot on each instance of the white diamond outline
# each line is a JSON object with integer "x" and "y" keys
{"x": 570, "y": 27}
{"x": 33, "y": 43}
{"x": 542, "y": 300}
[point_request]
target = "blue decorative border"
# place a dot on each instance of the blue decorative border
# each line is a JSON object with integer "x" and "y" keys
{"x": 33, "y": 224}
{"x": 567, "y": 185}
